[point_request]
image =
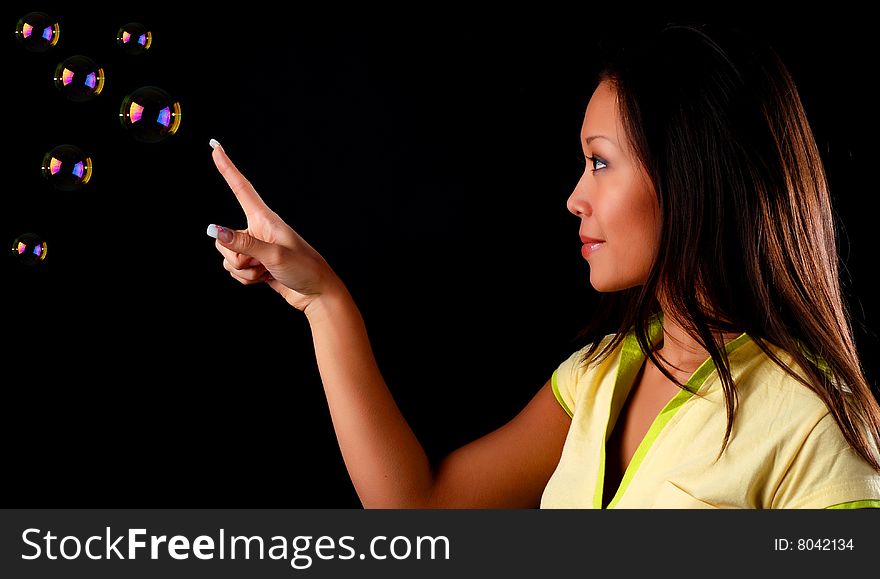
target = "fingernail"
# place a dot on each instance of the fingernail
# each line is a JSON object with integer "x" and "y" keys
{"x": 215, "y": 143}
{"x": 221, "y": 233}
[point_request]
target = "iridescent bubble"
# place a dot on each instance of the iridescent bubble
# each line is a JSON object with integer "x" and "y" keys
{"x": 37, "y": 31}
{"x": 134, "y": 38}
{"x": 29, "y": 249}
{"x": 67, "y": 168}
{"x": 150, "y": 114}
{"x": 79, "y": 78}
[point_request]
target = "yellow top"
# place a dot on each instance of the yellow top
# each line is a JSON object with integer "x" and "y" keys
{"x": 785, "y": 451}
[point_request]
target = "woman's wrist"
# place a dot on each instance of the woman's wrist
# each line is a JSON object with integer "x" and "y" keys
{"x": 331, "y": 299}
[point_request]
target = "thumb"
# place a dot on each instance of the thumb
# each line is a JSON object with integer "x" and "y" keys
{"x": 240, "y": 241}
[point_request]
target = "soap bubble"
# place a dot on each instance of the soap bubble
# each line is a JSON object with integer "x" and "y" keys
{"x": 37, "y": 32}
{"x": 67, "y": 168}
{"x": 134, "y": 38}
{"x": 79, "y": 78}
{"x": 29, "y": 249}
{"x": 150, "y": 115}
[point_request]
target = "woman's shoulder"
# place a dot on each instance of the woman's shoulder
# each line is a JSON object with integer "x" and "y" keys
{"x": 786, "y": 431}
{"x": 582, "y": 357}
{"x": 775, "y": 370}
{"x": 771, "y": 390}
{"x": 569, "y": 378}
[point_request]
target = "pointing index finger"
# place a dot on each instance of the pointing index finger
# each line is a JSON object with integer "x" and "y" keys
{"x": 247, "y": 196}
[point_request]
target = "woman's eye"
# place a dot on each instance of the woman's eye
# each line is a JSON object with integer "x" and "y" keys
{"x": 596, "y": 161}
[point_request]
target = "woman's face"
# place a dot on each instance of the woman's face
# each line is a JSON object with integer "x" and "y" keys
{"x": 615, "y": 200}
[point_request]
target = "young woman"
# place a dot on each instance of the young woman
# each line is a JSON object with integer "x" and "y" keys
{"x": 721, "y": 372}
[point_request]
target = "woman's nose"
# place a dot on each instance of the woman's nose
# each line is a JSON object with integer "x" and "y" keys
{"x": 577, "y": 203}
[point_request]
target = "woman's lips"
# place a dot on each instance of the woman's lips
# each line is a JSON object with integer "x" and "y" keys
{"x": 589, "y": 249}
{"x": 591, "y": 245}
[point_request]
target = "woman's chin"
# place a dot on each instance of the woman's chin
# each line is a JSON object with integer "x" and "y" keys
{"x": 604, "y": 285}
{"x": 601, "y": 285}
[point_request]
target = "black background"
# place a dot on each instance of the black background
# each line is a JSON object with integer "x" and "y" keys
{"x": 426, "y": 154}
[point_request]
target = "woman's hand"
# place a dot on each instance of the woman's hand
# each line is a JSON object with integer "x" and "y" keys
{"x": 269, "y": 250}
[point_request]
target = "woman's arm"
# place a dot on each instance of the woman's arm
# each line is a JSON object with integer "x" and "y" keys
{"x": 389, "y": 468}
{"x": 507, "y": 468}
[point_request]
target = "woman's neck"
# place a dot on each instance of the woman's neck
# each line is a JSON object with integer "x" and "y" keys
{"x": 682, "y": 351}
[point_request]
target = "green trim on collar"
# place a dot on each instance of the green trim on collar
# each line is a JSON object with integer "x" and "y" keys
{"x": 628, "y": 366}
{"x": 631, "y": 360}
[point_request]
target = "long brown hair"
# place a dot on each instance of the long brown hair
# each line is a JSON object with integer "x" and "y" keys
{"x": 748, "y": 236}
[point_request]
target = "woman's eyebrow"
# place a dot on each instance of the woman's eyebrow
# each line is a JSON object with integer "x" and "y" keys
{"x": 592, "y": 138}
